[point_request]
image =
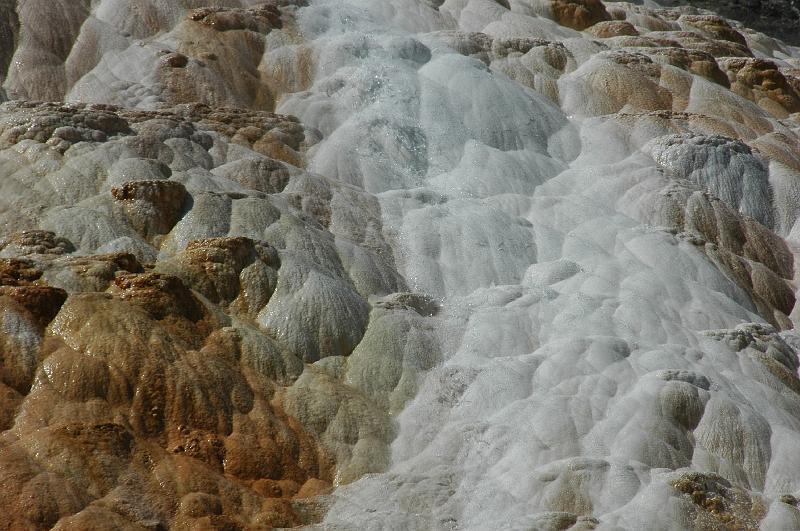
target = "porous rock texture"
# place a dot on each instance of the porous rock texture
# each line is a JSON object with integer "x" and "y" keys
{"x": 153, "y": 376}
{"x": 396, "y": 264}
{"x": 777, "y": 18}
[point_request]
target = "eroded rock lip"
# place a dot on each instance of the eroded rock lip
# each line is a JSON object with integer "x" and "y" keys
{"x": 579, "y": 14}
{"x": 35, "y": 242}
{"x": 16, "y": 272}
{"x": 260, "y": 19}
{"x": 160, "y": 295}
{"x": 62, "y": 125}
{"x": 58, "y": 124}
{"x": 43, "y": 302}
{"x": 422, "y": 304}
{"x": 152, "y": 207}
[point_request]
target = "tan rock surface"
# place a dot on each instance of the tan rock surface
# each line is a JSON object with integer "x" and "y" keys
{"x": 579, "y": 14}
{"x": 762, "y": 82}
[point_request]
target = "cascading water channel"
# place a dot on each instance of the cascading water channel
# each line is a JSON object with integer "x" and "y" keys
{"x": 578, "y": 369}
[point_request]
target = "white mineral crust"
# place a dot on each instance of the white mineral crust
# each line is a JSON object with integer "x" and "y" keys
{"x": 602, "y": 239}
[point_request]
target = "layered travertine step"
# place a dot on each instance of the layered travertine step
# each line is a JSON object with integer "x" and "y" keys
{"x": 397, "y": 264}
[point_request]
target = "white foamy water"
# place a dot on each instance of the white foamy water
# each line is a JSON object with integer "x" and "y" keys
{"x": 592, "y": 354}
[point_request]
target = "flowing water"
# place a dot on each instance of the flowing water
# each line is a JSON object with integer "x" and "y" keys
{"x": 578, "y": 369}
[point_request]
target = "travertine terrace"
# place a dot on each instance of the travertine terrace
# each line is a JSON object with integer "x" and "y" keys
{"x": 396, "y": 264}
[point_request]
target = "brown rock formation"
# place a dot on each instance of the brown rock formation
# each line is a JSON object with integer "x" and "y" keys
{"x": 612, "y": 28}
{"x": 19, "y": 282}
{"x": 58, "y": 125}
{"x": 61, "y": 125}
{"x": 713, "y": 27}
{"x": 152, "y": 207}
{"x": 260, "y": 19}
{"x": 277, "y": 136}
{"x": 694, "y": 61}
{"x": 173, "y": 411}
{"x": 719, "y": 503}
{"x": 579, "y": 14}
{"x": 15, "y": 272}
{"x": 762, "y": 82}
{"x": 35, "y": 242}
{"x": 43, "y": 302}
{"x": 695, "y": 40}
{"x": 235, "y": 271}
